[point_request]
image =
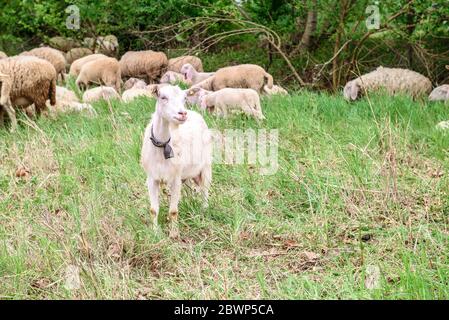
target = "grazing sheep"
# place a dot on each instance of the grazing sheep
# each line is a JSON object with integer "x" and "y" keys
{"x": 393, "y": 80}
{"x": 3, "y": 55}
{"x": 274, "y": 90}
{"x": 134, "y": 83}
{"x": 192, "y": 76}
{"x": 149, "y": 65}
{"x": 173, "y": 77}
{"x": 131, "y": 94}
{"x": 76, "y": 66}
{"x": 64, "y": 94}
{"x": 101, "y": 71}
{"x": 177, "y": 146}
{"x": 100, "y": 93}
{"x": 67, "y": 101}
{"x": 440, "y": 93}
{"x": 241, "y": 76}
{"x": 175, "y": 64}
{"x": 107, "y": 45}
{"x": 55, "y": 57}
{"x": 26, "y": 80}
{"x": 77, "y": 53}
{"x": 228, "y": 99}
{"x": 62, "y": 43}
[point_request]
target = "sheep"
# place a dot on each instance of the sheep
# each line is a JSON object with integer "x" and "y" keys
{"x": 149, "y": 65}
{"x": 100, "y": 93}
{"x": 173, "y": 77}
{"x": 393, "y": 80}
{"x": 133, "y": 93}
{"x": 240, "y": 76}
{"x": 63, "y": 44}
{"x": 104, "y": 71}
{"x": 177, "y": 146}
{"x": 228, "y": 99}
{"x": 175, "y": 64}
{"x": 3, "y": 55}
{"x": 76, "y": 53}
{"x": 67, "y": 101}
{"x": 76, "y": 66}
{"x": 107, "y": 45}
{"x": 274, "y": 90}
{"x": 192, "y": 76}
{"x": 26, "y": 80}
{"x": 440, "y": 93}
{"x": 55, "y": 57}
{"x": 134, "y": 83}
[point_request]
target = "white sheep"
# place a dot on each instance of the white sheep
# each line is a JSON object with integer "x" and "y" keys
{"x": 133, "y": 93}
{"x": 134, "y": 83}
{"x": 100, "y": 93}
{"x": 393, "y": 80}
{"x": 275, "y": 90}
{"x": 192, "y": 76}
{"x": 177, "y": 146}
{"x": 173, "y": 77}
{"x": 67, "y": 101}
{"x": 76, "y": 65}
{"x": 229, "y": 99}
{"x": 440, "y": 93}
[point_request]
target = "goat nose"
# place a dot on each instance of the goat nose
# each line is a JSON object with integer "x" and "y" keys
{"x": 182, "y": 113}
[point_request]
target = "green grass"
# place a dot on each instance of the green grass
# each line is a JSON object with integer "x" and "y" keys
{"x": 359, "y": 185}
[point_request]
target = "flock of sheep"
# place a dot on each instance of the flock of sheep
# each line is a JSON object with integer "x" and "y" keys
{"x": 177, "y": 144}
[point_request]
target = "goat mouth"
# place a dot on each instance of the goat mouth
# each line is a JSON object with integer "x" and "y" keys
{"x": 180, "y": 119}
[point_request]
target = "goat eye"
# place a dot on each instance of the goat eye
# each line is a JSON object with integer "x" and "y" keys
{"x": 164, "y": 98}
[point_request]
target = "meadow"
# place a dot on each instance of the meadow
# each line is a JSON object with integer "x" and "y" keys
{"x": 358, "y": 208}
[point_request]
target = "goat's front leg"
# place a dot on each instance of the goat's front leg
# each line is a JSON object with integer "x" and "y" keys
{"x": 153, "y": 191}
{"x": 175, "y": 195}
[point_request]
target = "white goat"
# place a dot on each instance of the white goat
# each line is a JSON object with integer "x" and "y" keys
{"x": 177, "y": 146}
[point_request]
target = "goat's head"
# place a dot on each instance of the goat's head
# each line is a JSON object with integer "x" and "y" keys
{"x": 170, "y": 103}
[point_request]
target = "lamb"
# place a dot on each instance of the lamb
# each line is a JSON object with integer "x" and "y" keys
{"x": 228, "y": 99}
{"x": 133, "y": 93}
{"x": 3, "y": 55}
{"x": 26, "y": 80}
{"x": 103, "y": 71}
{"x": 77, "y": 53}
{"x": 76, "y": 66}
{"x": 175, "y": 64}
{"x": 55, "y": 57}
{"x": 192, "y": 76}
{"x": 149, "y": 65}
{"x": 134, "y": 83}
{"x": 100, "y": 93}
{"x": 177, "y": 146}
{"x": 67, "y": 101}
{"x": 241, "y": 76}
{"x": 275, "y": 90}
{"x": 440, "y": 93}
{"x": 173, "y": 77}
{"x": 393, "y": 80}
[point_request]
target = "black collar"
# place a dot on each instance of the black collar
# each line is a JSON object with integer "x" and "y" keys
{"x": 168, "y": 151}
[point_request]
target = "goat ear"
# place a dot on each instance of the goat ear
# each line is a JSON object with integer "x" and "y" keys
{"x": 155, "y": 91}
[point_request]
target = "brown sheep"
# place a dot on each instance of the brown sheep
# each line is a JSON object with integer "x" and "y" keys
{"x": 144, "y": 64}
{"x": 175, "y": 64}
{"x": 249, "y": 76}
{"x": 55, "y": 57}
{"x": 77, "y": 53}
{"x": 76, "y": 66}
{"x": 26, "y": 80}
{"x": 102, "y": 71}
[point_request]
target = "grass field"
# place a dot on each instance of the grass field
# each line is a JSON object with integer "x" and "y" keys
{"x": 358, "y": 208}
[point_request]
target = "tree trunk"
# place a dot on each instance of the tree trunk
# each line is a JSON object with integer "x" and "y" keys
{"x": 310, "y": 27}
